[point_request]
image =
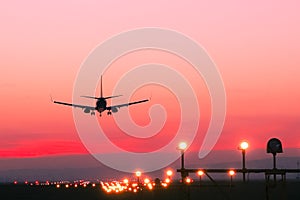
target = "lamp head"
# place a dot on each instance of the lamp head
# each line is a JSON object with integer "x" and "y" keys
{"x": 244, "y": 145}
{"x": 182, "y": 146}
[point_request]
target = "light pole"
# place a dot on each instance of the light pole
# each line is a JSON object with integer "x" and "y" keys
{"x": 243, "y": 146}
{"x": 182, "y": 146}
{"x": 138, "y": 174}
{"x": 200, "y": 174}
{"x": 231, "y": 174}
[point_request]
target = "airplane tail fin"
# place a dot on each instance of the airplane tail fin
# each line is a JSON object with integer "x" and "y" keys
{"x": 101, "y": 91}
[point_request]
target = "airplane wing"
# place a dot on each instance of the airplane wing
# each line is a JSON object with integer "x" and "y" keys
{"x": 75, "y": 105}
{"x": 126, "y": 104}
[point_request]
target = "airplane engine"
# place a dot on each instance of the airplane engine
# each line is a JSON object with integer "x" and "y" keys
{"x": 114, "y": 110}
{"x": 86, "y": 110}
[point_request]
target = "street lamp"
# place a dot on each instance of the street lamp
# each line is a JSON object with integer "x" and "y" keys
{"x": 243, "y": 146}
{"x": 200, "y": 174}
{"x": 231, "y": 174}
{"x": 182, "y": 146}
{"x": 138, "y": 174}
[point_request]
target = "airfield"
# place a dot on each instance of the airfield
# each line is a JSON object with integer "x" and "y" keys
{"x": 176, "y": 190}
{"x": 198, "y": 183}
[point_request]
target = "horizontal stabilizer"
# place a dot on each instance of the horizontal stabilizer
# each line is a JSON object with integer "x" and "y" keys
{"x": 90, "y": 97}
{"x": 112, "y": 97}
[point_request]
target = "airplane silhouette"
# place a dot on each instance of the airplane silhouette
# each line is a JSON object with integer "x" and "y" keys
{"x": 101, "y": 104}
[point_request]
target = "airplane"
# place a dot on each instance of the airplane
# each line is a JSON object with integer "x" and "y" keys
{"x": 101, "y": 104}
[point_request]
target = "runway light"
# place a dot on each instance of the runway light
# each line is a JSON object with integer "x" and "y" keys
{"x": 150, "y": 186}
{"x": 125, "y": 181}
{"x": 200, "y": 173}
{"x": 57, "y": 186}
{"x": 134, "y": 185}
{"x": 244, "y": 145}
{"x": 164, "y": 184}
{"x": 167, "y": 180}
{"x": 188, "y": 180}
{"x": 169, "y": 173}
{"x": 146, "y": 181}
{"x": 231, "y": 172}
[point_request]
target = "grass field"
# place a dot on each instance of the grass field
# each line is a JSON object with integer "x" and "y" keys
{"x": 238, "y": 190}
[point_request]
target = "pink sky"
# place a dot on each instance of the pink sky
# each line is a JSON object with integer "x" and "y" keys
{"x": 255, "y": 46}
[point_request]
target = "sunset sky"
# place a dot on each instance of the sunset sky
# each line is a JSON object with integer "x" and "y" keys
{"x": 255, "y": 45}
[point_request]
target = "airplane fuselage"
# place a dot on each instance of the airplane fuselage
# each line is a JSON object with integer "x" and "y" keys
{"x": 101, "y": 105}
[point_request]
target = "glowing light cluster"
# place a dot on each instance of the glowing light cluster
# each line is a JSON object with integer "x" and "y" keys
{"x": 59, "y": 184}
{"x": 113, "y": 187}
{"x": 116, "y": 187}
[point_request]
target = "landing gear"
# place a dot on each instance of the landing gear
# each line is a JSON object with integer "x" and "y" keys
{"x": 92, "y": 113}
{"x": 108, "y": 113}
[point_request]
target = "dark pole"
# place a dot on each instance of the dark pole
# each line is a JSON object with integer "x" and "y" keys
{"x": 274, "y": 165}
{"x": 182, "y": 166}
{"x": 244, "y": 164}
{"x": 274, "y": 161}
{"x": 182, "y": 159}
{"x": 200, "y": 181}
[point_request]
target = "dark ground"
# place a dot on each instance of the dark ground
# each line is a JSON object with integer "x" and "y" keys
{"x": 251, "y": 190}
